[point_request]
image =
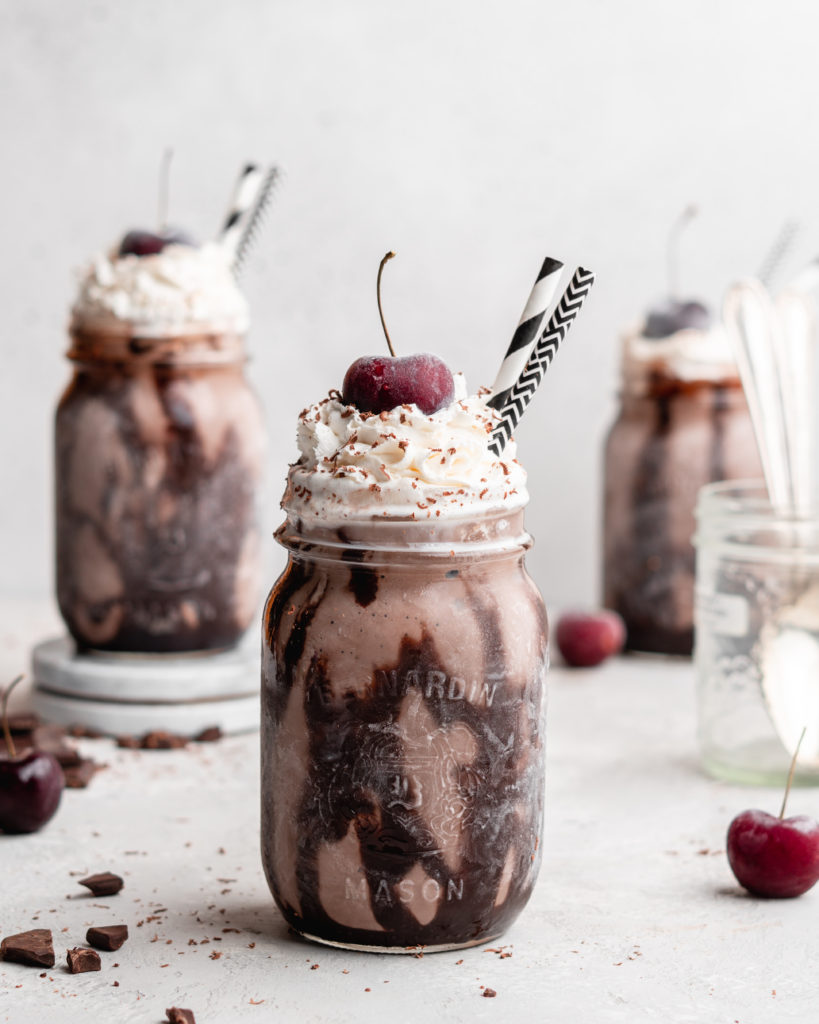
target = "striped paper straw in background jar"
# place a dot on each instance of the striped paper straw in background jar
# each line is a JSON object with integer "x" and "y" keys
{"x": 521, "y": 392}
{"x": 531, "y": 320}
{"x": 251, "y": 196}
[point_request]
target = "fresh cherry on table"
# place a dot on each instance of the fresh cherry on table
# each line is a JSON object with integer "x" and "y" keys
{"x": 149, "y": 243}
{"x": 776, "y": 857}
{"x": 586, "y": 639}
{"x": 380, "y": 383}
{"x": 31, "y": 783}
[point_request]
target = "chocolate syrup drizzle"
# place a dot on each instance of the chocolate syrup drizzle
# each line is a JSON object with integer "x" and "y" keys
{"x": 348, "y": 782}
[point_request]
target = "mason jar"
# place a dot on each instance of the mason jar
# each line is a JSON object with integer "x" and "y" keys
{"x": 670, "y": 438}
{"x": 757, "y": 629}
{"x": 159, "y": 456}
{"x": 403, "y": 674}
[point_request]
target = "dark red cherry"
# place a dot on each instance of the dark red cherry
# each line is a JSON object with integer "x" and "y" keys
{"x": 774, "y": 857}
{"x": 676, "y": 315}
{"x": 149, "y": 243}
{"x": 586, "y": 639}
{"x": 30, "y": 789}
{"x": 380, "y": 383}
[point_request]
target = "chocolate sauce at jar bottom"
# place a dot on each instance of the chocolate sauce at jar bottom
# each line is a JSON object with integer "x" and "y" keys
{"x": 393, "y": 835}
{"x": 177, "y": 575}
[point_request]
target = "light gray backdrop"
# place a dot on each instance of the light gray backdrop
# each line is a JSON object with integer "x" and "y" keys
{"x": 473, "y": 138}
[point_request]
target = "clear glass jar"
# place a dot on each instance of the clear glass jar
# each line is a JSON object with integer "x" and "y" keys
{"x": 757, "y": 629}
{"x": 671, "y": 437}
{"x": 158, "y": 456}
{"x": 403, "y": 673}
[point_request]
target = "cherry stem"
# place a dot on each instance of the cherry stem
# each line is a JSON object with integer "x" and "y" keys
{"x": 677, "y": 228}
{"x": 164, "y": 187}
{"x": 388, "y": 256}
{"x": 790, "y": 773}
{"x": 6, "y": 731}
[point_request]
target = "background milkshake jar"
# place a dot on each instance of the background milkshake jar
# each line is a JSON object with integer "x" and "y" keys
{"x": 159, "y": 452}
{"x": 683, "y": 423}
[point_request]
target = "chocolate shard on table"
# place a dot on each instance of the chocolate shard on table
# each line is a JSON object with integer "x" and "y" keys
{"x": 81, "y": 960}
{"x": 210, "y": 735}
{"x": 103, "y": 884}
{"x": 34, "y": 948}
{"x": 176, "y": 1015}
{"x": 107, "y": 937}
{"x": 77, "y": 776}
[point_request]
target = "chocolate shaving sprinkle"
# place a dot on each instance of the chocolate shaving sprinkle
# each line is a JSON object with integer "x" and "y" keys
{"x": 107, "y": 937}
{"x": 34, "y": 948}
{"x": 176, "y": 1015}
{"x": 103, "y": 884}
{"x": 210, "y": 735}
{"x": 81, "y": 960}
{"x": 489, "y": 993}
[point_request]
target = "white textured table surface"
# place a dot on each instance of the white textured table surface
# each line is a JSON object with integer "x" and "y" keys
{"x": 635, "y": 917}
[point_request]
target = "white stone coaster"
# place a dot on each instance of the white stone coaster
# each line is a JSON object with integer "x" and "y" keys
{"x": 231, "y": 715}
{"x": 145, "y": 679}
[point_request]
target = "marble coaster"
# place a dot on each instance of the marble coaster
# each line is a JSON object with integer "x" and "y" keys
{"x": 134, "y": 693}
{"x": 235, "y": 714}
{"x": 145, "y": 679}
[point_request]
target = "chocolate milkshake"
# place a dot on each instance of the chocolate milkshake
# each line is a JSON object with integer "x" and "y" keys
{"x": 404, "y": 662}
{"x": 159, "y": 449}
{"x": 683, "y": 423}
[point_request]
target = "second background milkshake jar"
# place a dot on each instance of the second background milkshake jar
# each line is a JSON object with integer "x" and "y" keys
{"x": 159, "y": 456}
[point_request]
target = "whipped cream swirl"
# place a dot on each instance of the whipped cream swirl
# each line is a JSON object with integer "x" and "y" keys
{"x": 687, "y": 355}
{"x": 402, "y": 463}
{"x": 180, "y": 290}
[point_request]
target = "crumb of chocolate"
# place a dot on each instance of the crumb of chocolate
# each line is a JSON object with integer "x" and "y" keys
{"x": 216, "y": 954}
{"x": 81, "y": 960}
{"x": 34, "y": 948}
{"x": 128, "y": 742}
{"x": 107, "y": 937}
{"x": 115, "y": 984}
{"x": 489, "y": 993}
{"x": 103, "y": 884}
{"x": 176, "y": 1015}
{"x": 314, "y": 967}
{"x": 210, "y": 735}
{"x": 77, "y": 776}
{"x": 159, "y": 739}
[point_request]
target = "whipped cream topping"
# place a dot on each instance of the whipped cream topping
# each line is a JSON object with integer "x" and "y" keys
{"x": 402, "y": 463}
{"x": 177, "y": 291}
{"x": 687, "y": 355}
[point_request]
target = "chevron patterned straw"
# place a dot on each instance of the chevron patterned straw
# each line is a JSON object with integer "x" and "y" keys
{"x": 542, "y": 354}
{"x": 531, "y": 320}
{"x": 253, "y": 223}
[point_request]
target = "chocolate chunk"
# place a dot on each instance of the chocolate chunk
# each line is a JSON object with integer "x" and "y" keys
{"x": 178, "y": 1016}
{"x": 34, "y": 948}
{"x": 85, "y": 732}
{"x": 79, "y": 775}
{"x": 128, "y": 742}
{"x": 489, "y": 993}
{"x": 210, "y": 735}
{"x": 81, "y": 960}
{"x": 103, "y": 884}
{"x": 108, "y": 937}
{"x": 161, "y": 740}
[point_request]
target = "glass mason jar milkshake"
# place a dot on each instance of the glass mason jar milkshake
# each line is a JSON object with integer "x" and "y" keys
{"x": 159, "y": 451}
{"x": 404, "y": 662}
{"x": 683, "y": 423}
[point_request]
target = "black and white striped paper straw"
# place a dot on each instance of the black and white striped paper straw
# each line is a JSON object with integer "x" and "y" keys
{"x": 244, "y": 195}
{"x": 253, "y": 222}
{"x": 541, "y": 357}
{"x": 531, "y": 320}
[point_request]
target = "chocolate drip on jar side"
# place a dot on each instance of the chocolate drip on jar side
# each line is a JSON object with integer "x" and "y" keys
{"x": 342, "y": 789}
{"x": 363, "y": 583}
{"x": 177, "y": 576}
